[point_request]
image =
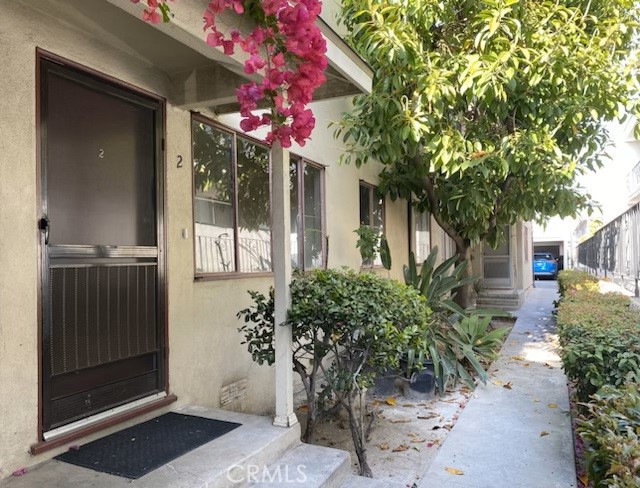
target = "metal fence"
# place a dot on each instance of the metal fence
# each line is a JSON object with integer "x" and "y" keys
{"x": 614, "y": 250}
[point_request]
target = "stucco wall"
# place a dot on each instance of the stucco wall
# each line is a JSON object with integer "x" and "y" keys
{"x": 205, "y": 350}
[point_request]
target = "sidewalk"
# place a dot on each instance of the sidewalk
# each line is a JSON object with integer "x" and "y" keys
{"x": 515, "y": 432}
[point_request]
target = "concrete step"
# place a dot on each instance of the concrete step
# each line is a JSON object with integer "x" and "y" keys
{"x": 501, "y": 304}
{"x": 354, "y": 481}
{"x": 222, "y": 463}
{"x": 306, "y": 466}
{"x": 505, "y": 300}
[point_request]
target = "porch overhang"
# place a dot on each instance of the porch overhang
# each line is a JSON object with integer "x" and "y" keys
{"x": 210, "y": 81}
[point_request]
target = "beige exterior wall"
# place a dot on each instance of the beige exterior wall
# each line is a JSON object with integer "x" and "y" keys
{"x": 205, "y": 350}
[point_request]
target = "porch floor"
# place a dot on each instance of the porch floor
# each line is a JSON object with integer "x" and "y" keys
{"x": 255, "y": 442}
{"x": 256, "y": 454}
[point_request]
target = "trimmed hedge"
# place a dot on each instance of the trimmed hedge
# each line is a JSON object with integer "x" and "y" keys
{"x": 611, "y": 435}
{"x": 574, "y": 280}
{"x": 600, "y": 339}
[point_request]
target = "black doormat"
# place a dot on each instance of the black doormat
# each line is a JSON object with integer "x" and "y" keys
{"x": 138, "y": 450}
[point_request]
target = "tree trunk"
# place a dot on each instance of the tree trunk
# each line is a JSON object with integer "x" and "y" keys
{"x": 465, "y": 296}
{"x": 358, "y": 434}
{"x": 309, "y": 382}
{"x": 312, "y": 411}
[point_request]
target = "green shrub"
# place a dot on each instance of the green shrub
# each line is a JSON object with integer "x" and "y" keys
{"x": 460, "y": 341}
{"x": 600, "y": 339}
{"x": 571, "y": 279}
{"x": 610, "y": 432}
{"x": 348, "y": 326}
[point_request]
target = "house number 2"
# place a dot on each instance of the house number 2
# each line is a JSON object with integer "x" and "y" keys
{"x": 179, "y": 165}
{"x": 101, "y": 153}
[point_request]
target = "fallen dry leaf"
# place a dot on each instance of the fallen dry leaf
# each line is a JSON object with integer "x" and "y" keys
{"x": 497, "y": 382}
{"x": 454, "y": 471}
{"x": 526, "y": 365}
{"x": 390, "y": 401}
{"x": 375, "y": 403}
{"x": 507, "y": 385}
{"x": 428, "y": 416}
{"x": 384, "y": 446}
{"x": 418, "y": 441}
{"x": 517, "y": 358}
{"x": 400, "y": 421}
{"x": 584, "y": 479}
{"x": 543, "y": 433}
{"x": 303, "y": 408}
{"x": 408, "y": 405}
{"x": 400, "y": 448}
{"x": 535, "y": 400}
{"x": 553, "y": 405}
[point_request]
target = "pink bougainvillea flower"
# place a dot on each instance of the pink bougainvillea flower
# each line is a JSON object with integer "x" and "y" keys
{"x": 151, "y": 16}
{"x": 287, "y": 45}
{"x": 248, "y": 93}
{"x": 238, "y": 7}
{"x": 250, "y": 123}
{"x": 214, "y": 39}
{"x": 216, "y": 6}
{"x": 253, "y": 64}
{"x": 227, "y": 45}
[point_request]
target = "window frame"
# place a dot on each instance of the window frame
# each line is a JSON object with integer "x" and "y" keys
{"x": 413, "y": 229}
{"x": 224, "y": 275}
{"x": 300, "y": 163}
{"x": 373, "y": 190}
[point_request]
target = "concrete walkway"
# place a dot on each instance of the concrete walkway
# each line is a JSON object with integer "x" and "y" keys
{"x": 515, "y": 432}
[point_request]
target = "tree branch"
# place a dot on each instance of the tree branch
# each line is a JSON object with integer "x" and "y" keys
{"x": 497, "y": 206}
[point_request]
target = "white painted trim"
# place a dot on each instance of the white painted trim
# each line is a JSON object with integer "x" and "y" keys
{"x": 65, "y": 429}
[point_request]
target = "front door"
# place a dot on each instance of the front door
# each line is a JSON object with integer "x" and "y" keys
{"x": 102, "y": 321}
{"x": 497, "y": 263}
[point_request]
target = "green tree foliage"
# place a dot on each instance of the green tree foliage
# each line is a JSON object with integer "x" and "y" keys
{"x": 484, "y": 111}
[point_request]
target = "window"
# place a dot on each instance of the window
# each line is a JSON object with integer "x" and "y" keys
{"x": 232, "y": 211}
{"x": 307, "y": 214}
{"x": 372, "y": 211}
{"x": 422, "y": 235}
{"x": 448, "y": 246}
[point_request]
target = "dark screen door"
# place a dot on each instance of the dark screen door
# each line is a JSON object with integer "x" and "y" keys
{"x": 102, "y": 338}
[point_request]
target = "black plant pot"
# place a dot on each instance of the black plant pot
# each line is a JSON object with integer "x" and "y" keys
{"x": 421, "y": 385}
{"x": 385, "y": 383}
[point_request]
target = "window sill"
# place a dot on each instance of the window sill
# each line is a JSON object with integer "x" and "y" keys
{"x": 232, "y": 276}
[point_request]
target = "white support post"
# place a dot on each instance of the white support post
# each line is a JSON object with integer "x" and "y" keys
{"x": 281, "y": 235}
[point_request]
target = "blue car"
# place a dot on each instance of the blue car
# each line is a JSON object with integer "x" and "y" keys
{"x": 544, "y": 266}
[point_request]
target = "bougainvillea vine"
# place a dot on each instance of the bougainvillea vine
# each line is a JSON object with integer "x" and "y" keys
{"x": 285, "y": 47}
